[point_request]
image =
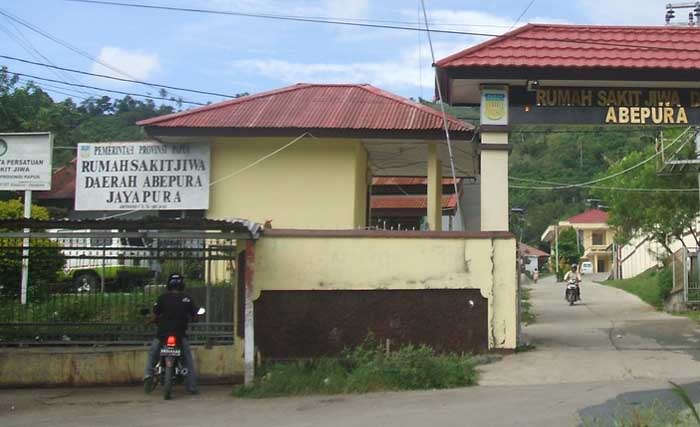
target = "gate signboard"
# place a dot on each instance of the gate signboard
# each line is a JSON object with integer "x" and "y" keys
{"x": 25, "y": 161}
{"x": 605, "y": 106}
{"x": 144, "y": 175}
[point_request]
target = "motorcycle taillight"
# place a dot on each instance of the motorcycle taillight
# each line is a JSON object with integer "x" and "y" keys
{"x": 171, "y": 341}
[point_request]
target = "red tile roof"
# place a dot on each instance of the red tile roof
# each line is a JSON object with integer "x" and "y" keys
{"x": 399, "y": 180}
{"x": 314, "y": 106}
{"x": 410, "y": 202}
{"x": 591, "y": 216}
{"x": 585, "y": 46}
{"x": 527, "y": 250}
{"x": 62, "y": 184}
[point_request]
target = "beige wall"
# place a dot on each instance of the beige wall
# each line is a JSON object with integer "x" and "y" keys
{"x": 366, "y": 263}
{"x": 313, "y": 184}
{"x": 118, "y": 365}
{"x": 494, "y": 183}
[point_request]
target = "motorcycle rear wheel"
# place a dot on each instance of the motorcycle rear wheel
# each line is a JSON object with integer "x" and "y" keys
{"x": 168, "y": 382}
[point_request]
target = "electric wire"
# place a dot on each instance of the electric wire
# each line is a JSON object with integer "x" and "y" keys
{"x": 529, "y": 5}
{"x": 27, "y": 45}
{"x": 105, "y": 90}
{"x": 606, "y": 178}
{"x": 235, "y": 173}
{"x": 141, "y": 82}
{"x": 442, "y": 109}
{"x": 390, "y": 27}
{"x": 65, "y": 44}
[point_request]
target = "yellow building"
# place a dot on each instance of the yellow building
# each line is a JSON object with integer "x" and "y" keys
{"x": 301, "y": 158}
{"x": 594, "y": 236}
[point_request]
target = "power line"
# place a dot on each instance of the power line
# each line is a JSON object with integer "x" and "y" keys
{"x": 388, "y": 27}
{"x": 106, "y": 90}
{"x": 588, "y": 184}
{"x": 27, "y": 45}
{"x": 26, "y": 61}
{"x": 630, "y": 189}
{"x": 442, "y": 109}
{"x": 61, "y": 42}
{"x": 529, "y": 5}
{"x": 55, "y": 89}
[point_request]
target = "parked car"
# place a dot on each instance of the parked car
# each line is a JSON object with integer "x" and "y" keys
{"x": 586, "y": 267}
{"x": 88, "y": 257}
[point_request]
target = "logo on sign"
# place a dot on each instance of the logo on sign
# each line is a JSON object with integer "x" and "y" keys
{"x": 495, "y": 106}
{"x": 3, "y": 147}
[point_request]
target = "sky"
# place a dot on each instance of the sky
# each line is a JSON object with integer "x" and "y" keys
{"x": 230, "y": 55}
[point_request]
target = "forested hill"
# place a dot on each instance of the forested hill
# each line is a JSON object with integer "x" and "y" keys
{"x": 559, "y": 154}
{"x": 25, "y": 107}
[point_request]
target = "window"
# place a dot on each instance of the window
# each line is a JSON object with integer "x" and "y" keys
{"x": 598, "y": 238}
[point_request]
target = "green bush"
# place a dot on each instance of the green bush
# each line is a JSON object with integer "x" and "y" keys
{"x": 45, "y": 257}
{"x": 665, "y": 281}
{"x": 364, "y": 369}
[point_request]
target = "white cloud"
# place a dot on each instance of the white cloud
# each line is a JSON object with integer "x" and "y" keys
{"x": 627, "y": 12}
{"x": 126, "y": 64}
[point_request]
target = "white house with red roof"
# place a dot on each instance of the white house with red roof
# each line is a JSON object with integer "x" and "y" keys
{"x": 594, "y": 236}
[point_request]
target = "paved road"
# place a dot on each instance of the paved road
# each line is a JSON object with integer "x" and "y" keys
{"x": 588, "y": 359}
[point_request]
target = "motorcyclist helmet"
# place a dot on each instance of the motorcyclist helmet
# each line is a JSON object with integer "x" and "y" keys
{"x": 176, "y": 282}
{"x": 574, "y": 267}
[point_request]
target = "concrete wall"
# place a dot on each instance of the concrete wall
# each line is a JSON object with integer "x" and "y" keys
{"x": 368, "y": 261}
{"x": 81, "y": 366}
{"x": 313, "y": 184}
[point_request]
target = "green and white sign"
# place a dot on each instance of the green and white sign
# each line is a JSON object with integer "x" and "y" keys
{"x": 25, "y": 161}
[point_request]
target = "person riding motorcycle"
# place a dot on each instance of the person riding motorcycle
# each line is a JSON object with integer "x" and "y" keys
{"x": 574, "y": 276}
{"x": 172, "y": 312}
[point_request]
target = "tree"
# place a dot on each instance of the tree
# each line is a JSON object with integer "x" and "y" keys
{"x": 45, "y": 257}
{"x": 662, "y": 215}
{"x": 569, "y": 249}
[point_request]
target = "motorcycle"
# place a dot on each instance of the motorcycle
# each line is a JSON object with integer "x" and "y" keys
{"x": 572, "y": 291}
{"x": 170, "y": 368}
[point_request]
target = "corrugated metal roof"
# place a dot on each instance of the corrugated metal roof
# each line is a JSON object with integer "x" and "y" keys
{"x": 62, "y": 184}
{"x": 313, "y": 106}
{"x": 527, "y": 250}
{"x": 591, "y": 216}
{"x": 398, "y": 180}
{"x": 410, "y": 202}
{"x": 585, "y": 46}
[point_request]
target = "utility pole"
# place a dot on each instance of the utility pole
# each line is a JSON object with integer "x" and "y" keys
{"x": 556, "y": 249}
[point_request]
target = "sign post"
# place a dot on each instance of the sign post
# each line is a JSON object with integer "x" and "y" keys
{"x": 25, "y": 247}
{"x": 25, "y": 165}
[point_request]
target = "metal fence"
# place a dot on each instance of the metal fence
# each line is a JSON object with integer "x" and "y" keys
{"x": 685, "y": 263}
{"x": 89, "y": 287}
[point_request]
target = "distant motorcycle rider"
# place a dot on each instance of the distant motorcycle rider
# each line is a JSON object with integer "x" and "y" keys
{"x": 172, "y": 312}
{"x": 574, "y": 276}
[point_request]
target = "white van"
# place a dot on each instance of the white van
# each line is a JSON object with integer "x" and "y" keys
{"x": 586, "y": 267}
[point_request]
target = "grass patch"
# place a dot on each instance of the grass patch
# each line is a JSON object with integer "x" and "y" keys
{"x": 527, "y": 316}
{"x": 365, "y": 369}
{"x": 650, "y": 286}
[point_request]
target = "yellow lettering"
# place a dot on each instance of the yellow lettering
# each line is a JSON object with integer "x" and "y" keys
{"x": 623, "y": 115}
{"x": 646, "y": 113}
{"x": 682, "y": 118}
{"x": 694, "y": 99}
{"x": 634, "y": 115}
{"x": 541, "y": 97}
{"x": 602, "y": 99}
{"x": 576, "y": 98}
{"x": 657, "y": 115}
{"x": 587, "y": 98}
{"x": 668, "y": 115}
{"x": 610, "y": 117}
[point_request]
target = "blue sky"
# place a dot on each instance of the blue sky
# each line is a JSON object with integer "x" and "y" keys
{"x": 233, "y": 54}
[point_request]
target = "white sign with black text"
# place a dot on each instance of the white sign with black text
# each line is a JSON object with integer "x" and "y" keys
{"x": 25, "y": 161}
{"x": 148, "y": 175}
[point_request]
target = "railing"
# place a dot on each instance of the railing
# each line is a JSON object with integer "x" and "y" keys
{"x": 81, "y": 293}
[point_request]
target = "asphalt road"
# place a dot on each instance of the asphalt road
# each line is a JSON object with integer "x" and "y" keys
{"x": 589, "y": 360}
